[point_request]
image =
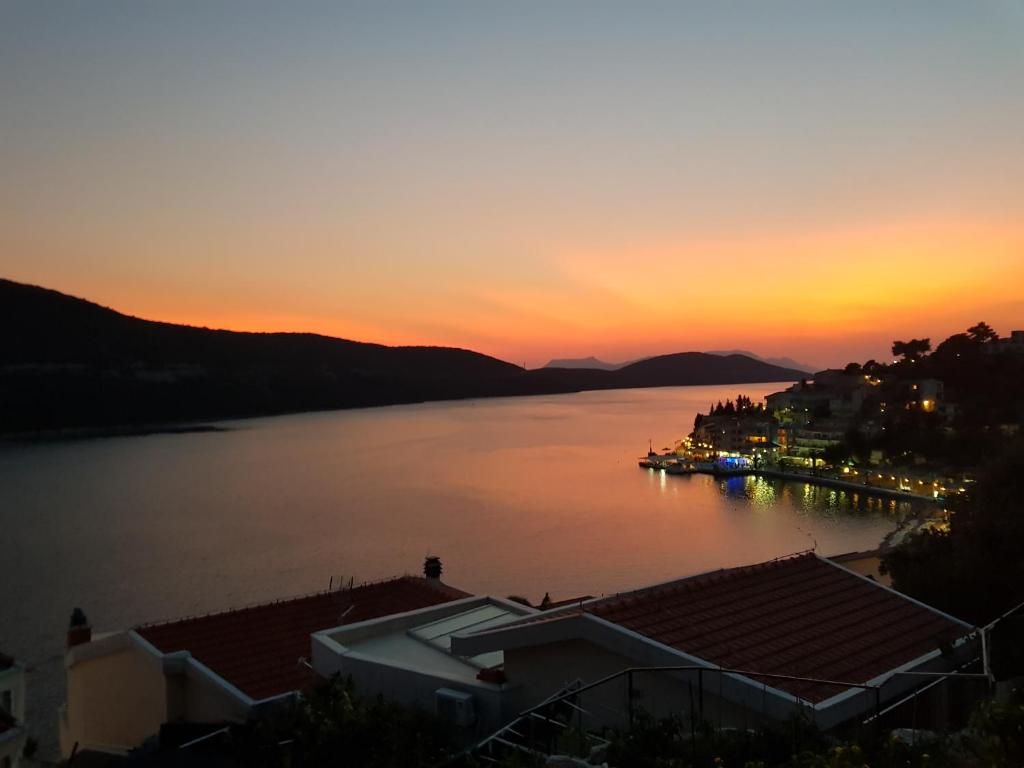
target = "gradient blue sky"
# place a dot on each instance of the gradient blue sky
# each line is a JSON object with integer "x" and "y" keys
{"x": 529, "y": 180}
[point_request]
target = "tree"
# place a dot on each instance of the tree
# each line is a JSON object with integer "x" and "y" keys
{"x": 982, "y": 332}
{"x": 912, "y": 350}
{"x": 975, "y": 570}
{"x": 957, "y": 345}
{"x": 873, "y": 368}
{"x": 852, "y": 369}
{"x": 835, "y": 454}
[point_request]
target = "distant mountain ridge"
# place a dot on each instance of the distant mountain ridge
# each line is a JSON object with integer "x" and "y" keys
{"x": 601, "y": 365}
{"x": 785, "y": 362}
{"x": 588, "y": 362}
{"x": 67, "y": 363}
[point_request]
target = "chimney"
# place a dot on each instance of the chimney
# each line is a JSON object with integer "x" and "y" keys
{"x": 79, "y": 629}
{"x": 432, "y": 568}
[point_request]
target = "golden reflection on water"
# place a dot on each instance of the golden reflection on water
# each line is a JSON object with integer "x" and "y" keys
{"x": 821, "y": 501}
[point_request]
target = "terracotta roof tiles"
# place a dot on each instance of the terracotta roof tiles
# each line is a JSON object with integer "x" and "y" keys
{"x": 800, "y": 616}
{"x": 257, "y": 649}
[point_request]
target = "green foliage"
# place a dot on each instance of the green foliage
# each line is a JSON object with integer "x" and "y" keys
{"x": 744, "y": 406}
{"x": 997, "y": 730}
{"x": 676, "y": 742}
{"x": 981, "y": 333}
{"x": 335, "y": 727}
{"x": 995, "y": 738}
{"x": 911, "y": 350}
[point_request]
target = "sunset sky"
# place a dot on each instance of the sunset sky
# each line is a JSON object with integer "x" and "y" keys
{"x": 530, "y": 180}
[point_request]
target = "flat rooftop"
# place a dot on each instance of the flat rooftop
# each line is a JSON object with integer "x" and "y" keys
{"x": 423, "y": 642}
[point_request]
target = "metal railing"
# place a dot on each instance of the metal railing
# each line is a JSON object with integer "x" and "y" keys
{"x": 568, "y": 721}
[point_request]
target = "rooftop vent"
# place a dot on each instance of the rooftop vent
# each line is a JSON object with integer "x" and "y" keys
{"x": 432, "y": 567}
{"x": 79, "y": 629}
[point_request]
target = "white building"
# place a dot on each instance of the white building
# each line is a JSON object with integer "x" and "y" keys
{"x": 12, "y": 712}
{"x": 221, "y": 668}
{"x": 408, "y": 658}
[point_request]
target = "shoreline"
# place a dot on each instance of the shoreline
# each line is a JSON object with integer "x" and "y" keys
{"x": 913, "y": 523}
{"x": 842, "y": 484}
{"x": 812, "y": 479}
{"x": 92, "y": 433}
{"x": 208, "y": 425}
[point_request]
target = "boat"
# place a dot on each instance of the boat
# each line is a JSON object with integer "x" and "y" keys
{"x": 681, "y": 468}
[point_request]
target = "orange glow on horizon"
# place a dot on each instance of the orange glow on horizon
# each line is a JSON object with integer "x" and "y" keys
{"x": 803, "y": 295}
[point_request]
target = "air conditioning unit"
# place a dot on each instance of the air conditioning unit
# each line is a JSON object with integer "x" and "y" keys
{"x": 455, "y": 706}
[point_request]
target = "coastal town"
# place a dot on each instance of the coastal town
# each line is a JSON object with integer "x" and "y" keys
{"x": 830, "y": 429}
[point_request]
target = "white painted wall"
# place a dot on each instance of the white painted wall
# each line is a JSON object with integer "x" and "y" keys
{"x": 115, "y": 699}
{"x": 12, "y": 686}
{"x": 120, "y": 690}
{"x": 409, "y": 686}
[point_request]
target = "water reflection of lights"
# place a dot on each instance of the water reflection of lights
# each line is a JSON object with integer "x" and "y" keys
{"x": 761, "y": 492}
{"x": 736, "y": 486}
{"x": 815, "y": 502}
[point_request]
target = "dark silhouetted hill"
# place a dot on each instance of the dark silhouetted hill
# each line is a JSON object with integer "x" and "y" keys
{"x": 702, "y": 368}
{"x": 785, "y": 362}
{"x": 67, "y": 363}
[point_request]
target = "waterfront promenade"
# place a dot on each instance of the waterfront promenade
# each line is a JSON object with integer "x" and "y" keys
{"x": 840, "y": 482}
{"x": 833, "y": 481}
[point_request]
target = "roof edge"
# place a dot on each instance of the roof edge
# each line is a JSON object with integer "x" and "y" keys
{"x": 455, "y": 592}
{"x": 902, "y": 595}
{"x": 696, "y": 660}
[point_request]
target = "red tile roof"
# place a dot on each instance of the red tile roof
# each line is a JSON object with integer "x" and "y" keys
{"x": 798, "y": 616}
{"x": 257, "y": 649}
{"x": 801, "y": 616}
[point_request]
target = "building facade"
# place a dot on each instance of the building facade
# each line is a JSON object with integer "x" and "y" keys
{"x": 13, "y": 735}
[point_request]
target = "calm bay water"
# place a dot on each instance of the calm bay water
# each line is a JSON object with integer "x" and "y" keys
{"x": 517, "y": 495}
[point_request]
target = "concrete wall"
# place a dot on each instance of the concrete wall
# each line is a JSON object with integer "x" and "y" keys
{"x": 207, "y": 701}
{"x": 541, "y": 670}
{"x": 116, "y": 700}
{"x": 413, "y": 687}
{"x": 120, "y": 691}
